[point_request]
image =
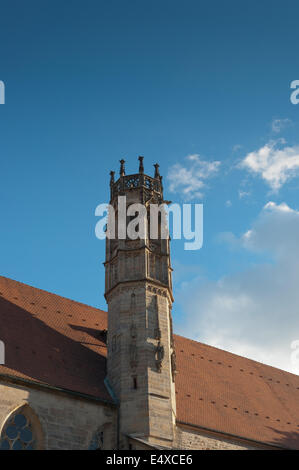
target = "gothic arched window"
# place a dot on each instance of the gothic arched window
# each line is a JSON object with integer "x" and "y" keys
{"x": 21, "y": 431}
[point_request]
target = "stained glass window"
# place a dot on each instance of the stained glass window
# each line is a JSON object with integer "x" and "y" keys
{"x": 18, "y": 434}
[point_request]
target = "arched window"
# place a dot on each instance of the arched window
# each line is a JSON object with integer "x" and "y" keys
{"x": 21, "y": 431}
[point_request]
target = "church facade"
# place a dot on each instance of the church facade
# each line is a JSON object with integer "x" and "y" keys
{"x": 76, "y": 377}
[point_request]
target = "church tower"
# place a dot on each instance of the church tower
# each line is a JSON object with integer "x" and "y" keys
{"x": 138, "y": 291}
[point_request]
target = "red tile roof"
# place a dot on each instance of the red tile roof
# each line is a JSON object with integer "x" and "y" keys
{"x": 52, "y": 340}
{"x": 227, "y": 393}
{"x": 56, "y": 341}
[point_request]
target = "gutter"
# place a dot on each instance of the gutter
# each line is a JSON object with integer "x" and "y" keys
{"x": 85, "y": 396}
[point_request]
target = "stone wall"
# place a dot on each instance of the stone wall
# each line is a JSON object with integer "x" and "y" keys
{"x": 70, "y": 422}
{"x": 67, "y": 422}
{"x": 189, "y": 439}
{"x": 139, "y": 322}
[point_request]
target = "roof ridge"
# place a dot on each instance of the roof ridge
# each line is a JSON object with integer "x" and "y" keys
{"x": 237, "y": 355}
{"x": 51, "y": 293}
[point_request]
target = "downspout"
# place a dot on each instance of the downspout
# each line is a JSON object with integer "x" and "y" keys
{"x": 117, "y": 426}
{"x": 116, "y": 401}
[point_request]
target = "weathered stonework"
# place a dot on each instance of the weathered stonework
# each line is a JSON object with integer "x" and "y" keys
{"x": 66, "y": 422}
{"x": 190, "y": 439}
{"x": 140, "y": 342}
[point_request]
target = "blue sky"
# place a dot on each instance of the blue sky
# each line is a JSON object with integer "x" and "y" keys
{"x": 88, "y": 83}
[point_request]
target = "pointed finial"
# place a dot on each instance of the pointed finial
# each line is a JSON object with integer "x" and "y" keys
{"x": 141, "y": 167}
{"x": 112, "y": 173}
{"x": 122, "y": 168}
{"x": 157, "y": 173}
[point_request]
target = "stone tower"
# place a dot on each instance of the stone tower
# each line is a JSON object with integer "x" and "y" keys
{"x": 138, "y": 291}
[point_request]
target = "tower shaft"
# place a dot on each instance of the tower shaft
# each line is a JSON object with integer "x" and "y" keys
{"x": 138, "y": 291}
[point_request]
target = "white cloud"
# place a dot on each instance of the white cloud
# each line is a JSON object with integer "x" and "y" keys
{"x": 189, "y": 179}
{"x": 283, "y": 207}
{"x": 254, "y": 313}
{"x": 236, "y": 147}
{"x": 279, "y": 124}
{"x": 273, "y": 163}
{"x": 228, "y": 203}
{"x": 243, "y": 194}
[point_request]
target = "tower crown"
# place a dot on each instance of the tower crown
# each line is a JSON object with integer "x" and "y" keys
{"x": 136, "y": 181}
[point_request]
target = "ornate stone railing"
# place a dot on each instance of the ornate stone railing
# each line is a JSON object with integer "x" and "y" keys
{"x": 136, "y": 181}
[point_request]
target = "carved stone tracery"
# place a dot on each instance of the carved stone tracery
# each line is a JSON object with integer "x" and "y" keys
{"x": 159, "y": 355}
{"x": 173, "y": 365}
